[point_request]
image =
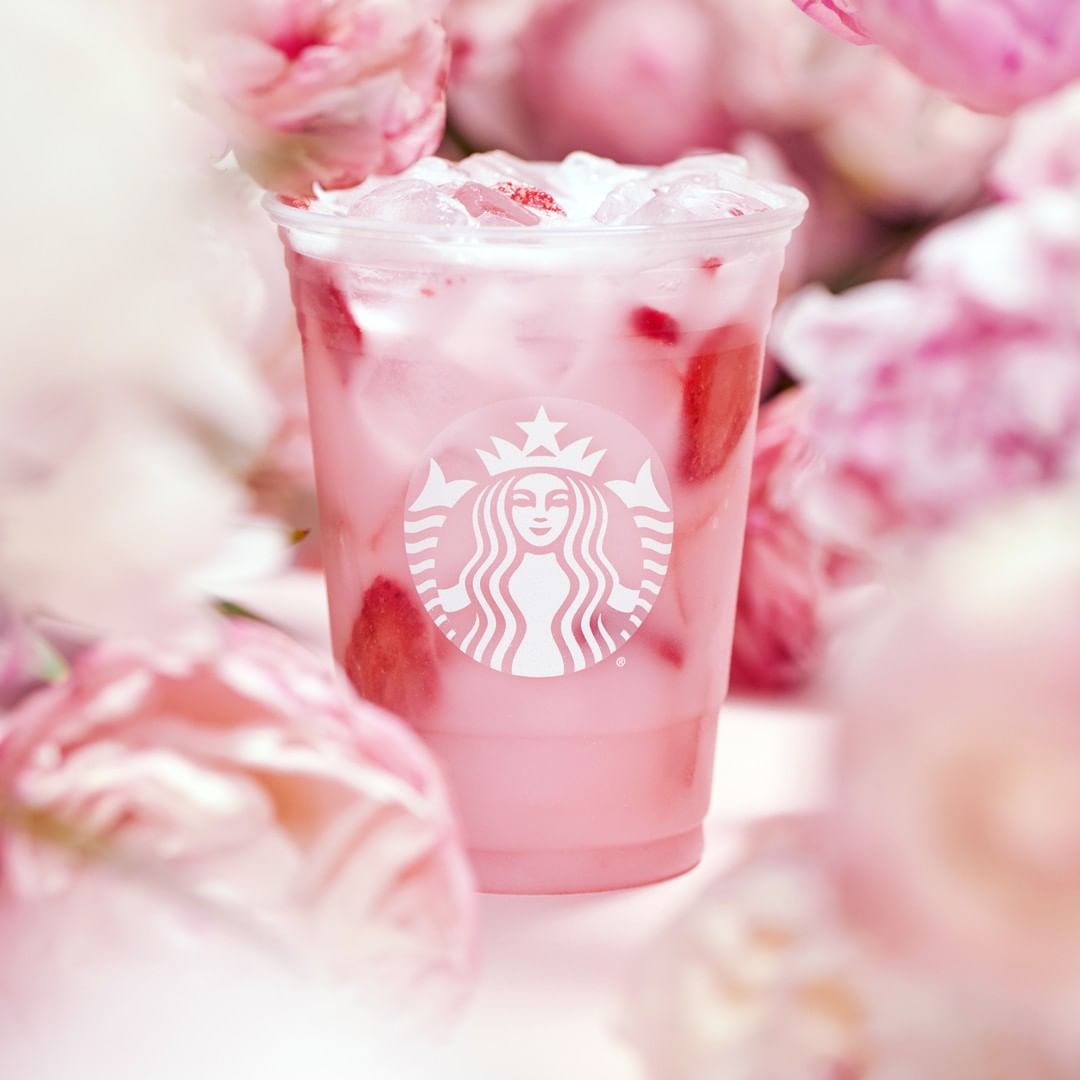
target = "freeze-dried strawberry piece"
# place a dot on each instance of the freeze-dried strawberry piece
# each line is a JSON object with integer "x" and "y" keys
{"x": 480, "y": 200}
{"x": 652, "y": 323}
{"x": 390, "y": 658}
{"x": 323, "y": 315}
{"x": 719, "y": 397}
{"x": 531, "y": 197}
{"x": 298, "y": 202}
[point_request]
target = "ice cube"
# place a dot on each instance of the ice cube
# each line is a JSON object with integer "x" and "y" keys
{"x": 410, "y": 202}
{"x": 623, "y": 201}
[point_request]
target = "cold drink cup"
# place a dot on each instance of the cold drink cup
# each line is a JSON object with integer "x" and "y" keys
{"x": 533, "y": 431}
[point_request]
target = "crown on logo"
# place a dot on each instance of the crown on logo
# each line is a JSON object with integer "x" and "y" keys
{"x": 541, "y": 448}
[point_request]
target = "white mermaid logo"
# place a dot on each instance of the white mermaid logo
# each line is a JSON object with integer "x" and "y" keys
{"x": 538, "y": 594}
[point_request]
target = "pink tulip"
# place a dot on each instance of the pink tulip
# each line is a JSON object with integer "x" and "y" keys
{"x": 778, "y": 627}
{"x": 246, "y": 778}
{"x": 994, "y": 55}
{"x": 329, "y": 93}
{"x": 764, "y": 979}
{"x": 955, "y": 828}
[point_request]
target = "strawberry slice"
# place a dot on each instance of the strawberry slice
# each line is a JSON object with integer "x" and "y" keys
{"x": 390, "y": 658}
{"x": 652, "y": 323}
{"x": 719, "y": 398}
{"x": 323, "y": 316}
{"x": 531, "y": 197}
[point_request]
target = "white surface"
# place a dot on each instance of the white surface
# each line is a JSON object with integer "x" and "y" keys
{"x": 554, "y": 969}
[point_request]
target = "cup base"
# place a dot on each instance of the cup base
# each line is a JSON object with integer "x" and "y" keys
{"x": 556, "y": 873}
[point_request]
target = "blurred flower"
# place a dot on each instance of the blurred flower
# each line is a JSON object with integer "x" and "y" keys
{"x": 995, "y": 55}
{"x": 20, "y": 668}
{"x": 635, "y": 81}
{"x": 128, "y": 409}
{"x": 617, "y": 77}
{"x": 329, "y": 93}
{"x": 954, "y": 828}
{"x": 246, "y": 777}
{"x": 839, "y": 16}
{"x": 905, "y": 150}
{"x": 254, "y": 281}
{"x": 1044, "y": 148}
{"x": 934, "y": 396}
{"x": 193, "y": 998}
{"x": 763, "y": 979}
{"x": 777, "y": 628}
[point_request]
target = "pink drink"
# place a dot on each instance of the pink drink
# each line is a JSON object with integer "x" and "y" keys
{"x": 533, "y": 392}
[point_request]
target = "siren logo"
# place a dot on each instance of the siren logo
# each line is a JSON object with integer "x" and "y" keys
{"x": 539, "y": 533}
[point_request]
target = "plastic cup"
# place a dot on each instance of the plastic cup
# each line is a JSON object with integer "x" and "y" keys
{"x": 533, "y": 451}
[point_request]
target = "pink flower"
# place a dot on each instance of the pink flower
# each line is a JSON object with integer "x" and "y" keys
{"x": 1043, "y": 150}
{"x": 905, "y": 150}
{"x": 764, "y": 979}
{"x": 994, "y": 55}
{"x": 616, "y": 77}
{"x": 777, "y": 629}
{"x": 20, "y": 668}
{"x": 128, "y": 408}
{"x": 955, "y": 827}
{"x": 934, "y": 396}
{"x": 635, "y": 80}
{"x": 246, "y": 778}
{"x": 839, "y": 16}
{"x": 325, "y": 92}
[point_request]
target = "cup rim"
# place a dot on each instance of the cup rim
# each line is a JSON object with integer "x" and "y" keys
{"x": 789, "y": 212}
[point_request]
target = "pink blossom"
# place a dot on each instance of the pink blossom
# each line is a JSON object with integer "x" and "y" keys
{"x": 329, "y": 93}
{"x": 777, "y": 629}
{"x": 994, "y": 55}
{"x": 1043, "y": 150}
{"x": 934, "y": 396}
{"x": 248, "y": 779}
{"x": 905, "y": 150}
{"x": 763, "y": 979}
{"x": 616, "y": 77}
{"x": 839, "y": 16}
{"x": 128, "y": 406}
{"x": 636, "y": 81}
{"x": 954, "y": 828}
{"x": 20, "y": 667}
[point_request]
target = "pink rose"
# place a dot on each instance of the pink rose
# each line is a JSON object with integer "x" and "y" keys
{"x": 763, "y": 979}
{"x": 955, "y": 827}
{"x": 777, "y": 629}
{"x": 329, "y": 93}
{"x": 994, "y": 55}
{"x": 1043, "y": 150}
{"x": 935, "y": 396}
{"x": 246, "y": 778}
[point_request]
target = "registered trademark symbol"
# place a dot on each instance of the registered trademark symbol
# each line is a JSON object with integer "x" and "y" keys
{"x": 621, "y": 662}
